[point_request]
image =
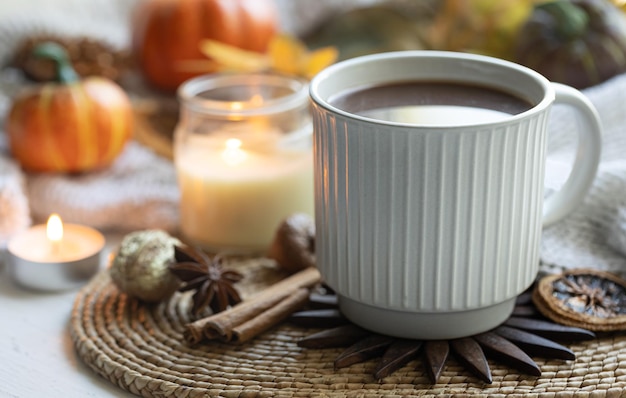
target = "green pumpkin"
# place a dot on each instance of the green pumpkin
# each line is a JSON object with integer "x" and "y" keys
{"x": 373, "y": 29}
{"x": 576, "y": 42}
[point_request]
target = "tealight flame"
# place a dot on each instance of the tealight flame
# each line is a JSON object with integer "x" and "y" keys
{"x": 54, "y": 228}
{"x": 233, "y": 154}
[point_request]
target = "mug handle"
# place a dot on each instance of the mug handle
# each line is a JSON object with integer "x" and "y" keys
{"x": 587, "y": 159}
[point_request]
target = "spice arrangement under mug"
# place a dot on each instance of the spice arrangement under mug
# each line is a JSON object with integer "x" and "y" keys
{"x": 151, "y": 265}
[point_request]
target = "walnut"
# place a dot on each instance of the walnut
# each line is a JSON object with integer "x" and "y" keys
{"x": 293, "y": 247}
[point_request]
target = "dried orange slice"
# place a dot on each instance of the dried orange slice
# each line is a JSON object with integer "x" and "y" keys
{"x": 586, "y": 298}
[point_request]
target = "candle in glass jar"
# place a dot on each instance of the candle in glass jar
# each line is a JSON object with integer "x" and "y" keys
{"x": 236, "y": 191}
{"x": 55, "y": 256}
{"x": 244, "y": 158}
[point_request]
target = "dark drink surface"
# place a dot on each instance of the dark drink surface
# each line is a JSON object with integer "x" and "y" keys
{"x": 430, "y": 103}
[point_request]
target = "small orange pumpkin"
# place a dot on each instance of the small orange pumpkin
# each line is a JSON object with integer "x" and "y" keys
{"x": 72, "y": 125}
{"x": 167, "y": 34}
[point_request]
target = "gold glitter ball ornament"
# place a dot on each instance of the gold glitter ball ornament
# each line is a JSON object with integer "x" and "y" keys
{"x": 141, "y": 265}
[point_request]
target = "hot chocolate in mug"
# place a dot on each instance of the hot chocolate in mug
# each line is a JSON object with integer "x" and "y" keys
{"x": 429, "y": 187}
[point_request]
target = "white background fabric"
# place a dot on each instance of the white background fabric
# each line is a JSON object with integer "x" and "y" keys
{"x": 594, "y": 236}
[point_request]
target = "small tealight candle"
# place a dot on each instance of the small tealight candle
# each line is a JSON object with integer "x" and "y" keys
{"x": 55, "y": 256}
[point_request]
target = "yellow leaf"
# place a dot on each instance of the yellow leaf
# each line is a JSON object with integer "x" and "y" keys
{"x": 483, "y": 26}
{"x": 234, "y": 58}
{"x": 620, "y": 4}
{"x": 286, "y": 54}
{"x": 318, "y": 60}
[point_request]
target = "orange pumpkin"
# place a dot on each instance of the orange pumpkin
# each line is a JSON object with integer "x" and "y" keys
{"x": 167, "y": 34}
{"x": 70, "y": 126}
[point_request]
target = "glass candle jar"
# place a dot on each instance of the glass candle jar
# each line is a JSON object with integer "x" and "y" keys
{"x": 243, "y": 156}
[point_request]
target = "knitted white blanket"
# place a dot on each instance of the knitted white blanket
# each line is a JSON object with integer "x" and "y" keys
{"x": 594, "y": 235}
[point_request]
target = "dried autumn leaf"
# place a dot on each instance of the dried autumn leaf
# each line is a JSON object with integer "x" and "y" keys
{"x": 481, "y": 26}
{"x": 286, "y": 54}
{"x": 508, "y": 352}
{"x": 535, "y": 345}
{"x": 230, "y": 57}
{"x": 367, "y": 348}
{"x": 335, "y": 337}
{"x": 311, "y": 318}
{"x": 469, "y": 352}
{"x": 512, "y": 345}
{"x": 290, "y": 55}
{"x": 318, "y": 60}
{"x": 398, "y": 354}
{"x": 549, "y": 329}
{"x": 436, "y": 355}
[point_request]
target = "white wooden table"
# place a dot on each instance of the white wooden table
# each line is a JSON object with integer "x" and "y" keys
{"x": 37, "y": 357}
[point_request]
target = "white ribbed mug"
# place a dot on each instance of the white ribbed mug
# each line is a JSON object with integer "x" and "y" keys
{"x": 430, "y": 232}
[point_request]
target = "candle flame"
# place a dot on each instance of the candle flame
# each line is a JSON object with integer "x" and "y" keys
{"x": 54, "y": 228}
{"x": 233, "y": 154}
{"x": 256, "y": 100}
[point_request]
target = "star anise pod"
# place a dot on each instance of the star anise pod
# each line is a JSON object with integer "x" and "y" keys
{"x": 212, "y": 283}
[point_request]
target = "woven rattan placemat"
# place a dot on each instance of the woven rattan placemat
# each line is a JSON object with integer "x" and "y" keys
{"x": 140, "y": 348}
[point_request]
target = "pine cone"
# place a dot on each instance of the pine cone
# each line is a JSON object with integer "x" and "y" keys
{"x": 90, "y": 57}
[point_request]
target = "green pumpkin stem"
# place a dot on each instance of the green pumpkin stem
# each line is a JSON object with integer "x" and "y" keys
{"x": 55, "y": 52}
{"x": 571, "y": 19}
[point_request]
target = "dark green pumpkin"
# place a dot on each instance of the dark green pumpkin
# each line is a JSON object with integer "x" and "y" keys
{"x": 577, "y": 42}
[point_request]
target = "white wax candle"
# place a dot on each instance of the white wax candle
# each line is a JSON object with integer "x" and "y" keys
{"x": 55, "y": 257}
{"x": 78, "y": 242}
{"x": 234, "y": 196}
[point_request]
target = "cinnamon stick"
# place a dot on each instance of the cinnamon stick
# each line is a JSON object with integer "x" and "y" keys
{"x": 271, "y": 317}
{"x": 269, "y": 306}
